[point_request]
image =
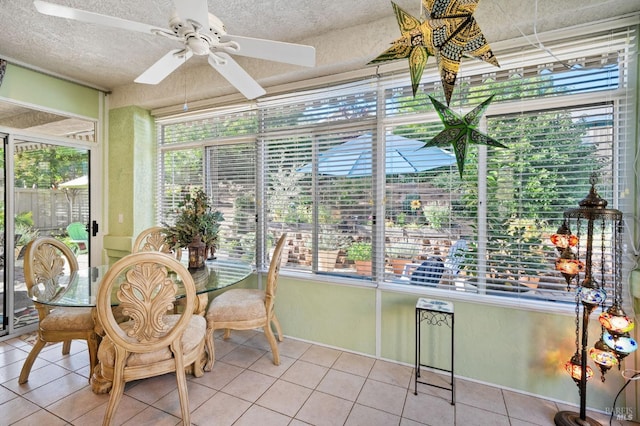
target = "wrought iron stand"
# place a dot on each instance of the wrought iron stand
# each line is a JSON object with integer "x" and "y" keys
{"x": 434, "y": 312}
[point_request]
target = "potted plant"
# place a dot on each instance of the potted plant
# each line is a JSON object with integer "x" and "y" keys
{"x": 360, "y": 253}
{"x": 400, "y": 253}
{"x": 196, "y": 225}
{"x": 330, "y": 242}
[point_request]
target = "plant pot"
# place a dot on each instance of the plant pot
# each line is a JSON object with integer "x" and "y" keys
{"x": 363, "y": 267}
{"x": 327, "y": 259}
{"x": 398, "y": 265}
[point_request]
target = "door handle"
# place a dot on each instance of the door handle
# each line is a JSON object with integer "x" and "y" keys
{"x": 94, "y": 228}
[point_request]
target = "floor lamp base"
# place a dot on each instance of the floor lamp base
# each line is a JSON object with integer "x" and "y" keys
{"x": 569, "y": 418}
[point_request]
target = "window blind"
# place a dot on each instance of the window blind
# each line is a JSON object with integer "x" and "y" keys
{"x": 319, "y": 167}
{"x": 325, "y": 168}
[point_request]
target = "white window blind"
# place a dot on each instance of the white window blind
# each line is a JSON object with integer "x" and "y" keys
{"x": 560, "y": 126}
{"x": 331, "y": 168}
{"x": 215, "y": 152}
{"x": 318, "y": 169}
{"x": 231, "y": 182}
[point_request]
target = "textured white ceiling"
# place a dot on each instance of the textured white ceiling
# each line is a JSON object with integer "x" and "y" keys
{"x": 346, "y": 34}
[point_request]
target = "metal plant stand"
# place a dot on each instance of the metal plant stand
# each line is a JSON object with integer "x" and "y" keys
{"x": 438, "y": 313}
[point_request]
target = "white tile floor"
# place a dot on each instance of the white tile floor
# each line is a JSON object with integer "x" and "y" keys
{"x": 312, "y": 385}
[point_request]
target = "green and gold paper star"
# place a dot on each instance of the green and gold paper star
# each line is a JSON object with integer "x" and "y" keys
{"x": 461, "y": 131}
{"x": 414, "y": 45}
{"x": 460, "y": 36}
{"x": 450, "y": 32}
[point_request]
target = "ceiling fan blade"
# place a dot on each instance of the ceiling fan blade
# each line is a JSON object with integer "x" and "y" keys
{"x": 163, "y": 67}
{"x": 196, "y": 10}
{"x": 297, "y": 54}
{"x": 92, "y": 18}
{"x": 236, "y": 75}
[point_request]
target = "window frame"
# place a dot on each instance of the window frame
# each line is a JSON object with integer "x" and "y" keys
{"x": 618, "y": 98}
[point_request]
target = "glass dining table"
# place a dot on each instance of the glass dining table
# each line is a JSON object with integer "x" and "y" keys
{"x": 81, "y": 288}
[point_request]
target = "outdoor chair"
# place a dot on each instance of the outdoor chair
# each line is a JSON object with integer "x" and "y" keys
{"x": 153, "y": 342}
{"x": 246, "y": 309}
{"x": 79, "y": 236}
{"x": 46, "y": 260}
{"x": 431, "y": 270}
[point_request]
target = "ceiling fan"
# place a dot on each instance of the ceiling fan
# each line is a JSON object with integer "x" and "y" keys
{"x": 201, "y": 33}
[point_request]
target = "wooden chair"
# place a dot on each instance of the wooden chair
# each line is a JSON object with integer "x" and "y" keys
{"x": 246, "y": 309}
{"x": 153, "y": 342}
{"x": 152, "y": 239}
{"x": 46, "y": 260}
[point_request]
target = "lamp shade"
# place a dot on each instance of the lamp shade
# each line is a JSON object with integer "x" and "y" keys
{"x": 574, "y": 368}
{"x": 592, "y": 296}
{"x": 601, "y": 354}
{"x": 569, "y": 266}
{"x": 563, "y": 239}
{"x": 622, "y": 344}
{"x": 616, "y": 322}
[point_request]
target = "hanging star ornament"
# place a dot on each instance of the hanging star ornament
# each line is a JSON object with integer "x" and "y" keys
{"x": 461, "y": 131}
{"x": 414, "y": 44}
{"x": 450, "y": 32}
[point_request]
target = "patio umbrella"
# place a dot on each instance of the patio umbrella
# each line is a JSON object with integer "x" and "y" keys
{"x": 72, "y": 189}
{"x": 353, "y": 157}
{"x": 78, "y": 183}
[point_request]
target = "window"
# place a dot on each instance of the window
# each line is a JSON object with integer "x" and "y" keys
{"x": 340, "y": 170}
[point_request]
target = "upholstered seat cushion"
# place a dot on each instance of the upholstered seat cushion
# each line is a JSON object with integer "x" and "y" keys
{"x": 68, "y": 319}
{"x": 237, "y": 305}
{"x": 193, "y": 335}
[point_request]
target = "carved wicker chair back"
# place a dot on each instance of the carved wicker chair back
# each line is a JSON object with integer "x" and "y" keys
{"x": 152, "y": 239}
{"x": 152, "y": 342}
{"x": 47, "y": 261}
{"x": 245, "y": 309}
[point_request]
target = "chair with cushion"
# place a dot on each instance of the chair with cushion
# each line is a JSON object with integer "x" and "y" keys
{"x": 46, "y": 261}
{"x": 246, "y": 309}
{"x": 153, "y": 342}
{"x": 79, "y": 236}
{"x": 152, "y": 239}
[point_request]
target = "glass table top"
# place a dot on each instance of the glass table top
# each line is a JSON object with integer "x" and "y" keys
{"x": 81, "y": 288}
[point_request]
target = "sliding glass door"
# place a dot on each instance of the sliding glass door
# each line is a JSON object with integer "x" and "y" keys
{"x": 48, "y": 196}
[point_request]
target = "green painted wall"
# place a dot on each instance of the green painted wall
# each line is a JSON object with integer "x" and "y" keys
{"x": 333, "y": 315}
{"x": 37, "y": 89}
{"x": 131, "y": 172}
{"x": 512, "y": 348}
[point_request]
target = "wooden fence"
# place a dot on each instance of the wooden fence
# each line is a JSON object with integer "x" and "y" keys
{"x": 53, "y": 209}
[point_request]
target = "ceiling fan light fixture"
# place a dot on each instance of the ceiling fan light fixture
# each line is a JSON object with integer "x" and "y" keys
{"x": 198, "y": 44}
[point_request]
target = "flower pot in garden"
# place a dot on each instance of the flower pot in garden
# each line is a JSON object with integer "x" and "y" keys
{"x": 363, "y": 267}
{"x": 327, "y": 259}
{"x": 398, "y": 265}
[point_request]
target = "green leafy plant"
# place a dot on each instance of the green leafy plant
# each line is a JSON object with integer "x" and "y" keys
{"x": 195, "y": 217}
{"x": 24, "y": 228}
{"x": 330, "y": 239}
{"x": 403, "y": 249}
{"x": 359, "y": 251}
